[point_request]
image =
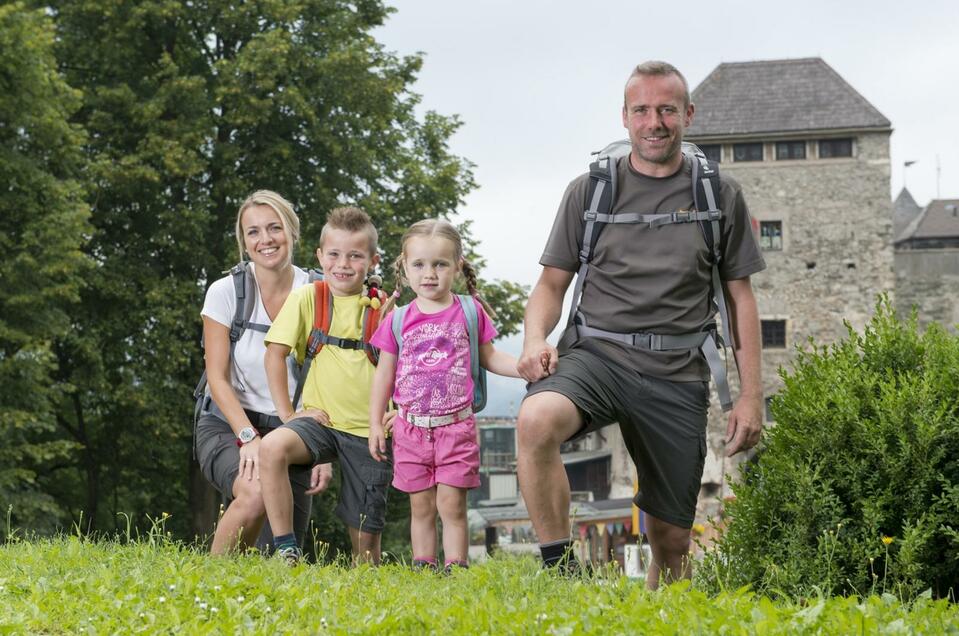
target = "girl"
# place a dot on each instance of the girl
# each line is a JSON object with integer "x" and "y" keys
{"x": 435, "y": 450}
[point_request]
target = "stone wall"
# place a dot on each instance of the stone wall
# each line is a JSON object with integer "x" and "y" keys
{"x": 836, "y": 257}
{"x": 929, "y": 280}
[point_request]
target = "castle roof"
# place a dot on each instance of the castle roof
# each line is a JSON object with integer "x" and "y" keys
{"x": 939, "y": 220}
{"x": 779, "y": 96}
{"x": 904, "y": 211}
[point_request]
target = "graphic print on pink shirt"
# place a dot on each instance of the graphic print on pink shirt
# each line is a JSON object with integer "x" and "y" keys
{"x": 433, "y": 370}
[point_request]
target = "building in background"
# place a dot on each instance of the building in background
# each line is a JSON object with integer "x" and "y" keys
{"x": 812, "y": 156}
{"x": 927, "y": 260}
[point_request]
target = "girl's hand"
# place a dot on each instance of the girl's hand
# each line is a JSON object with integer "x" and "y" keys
{"x": 249, "y": 459}
{"x": 388, "y": 418}
{"x": 320, "y": 478}
{"x": 377, "y": 443}
{"x": 319, "y": 415}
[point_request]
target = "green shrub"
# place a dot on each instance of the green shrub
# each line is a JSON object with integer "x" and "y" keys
{"x": 855, "y": 489}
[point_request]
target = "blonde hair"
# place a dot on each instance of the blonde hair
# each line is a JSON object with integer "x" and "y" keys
{"x": 351, "y": 219}
{"x": 429, "y": 228}
{"x": 283, "y": 209}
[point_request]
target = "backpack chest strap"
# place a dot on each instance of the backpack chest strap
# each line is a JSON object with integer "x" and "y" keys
{"x": 654, "y": 219}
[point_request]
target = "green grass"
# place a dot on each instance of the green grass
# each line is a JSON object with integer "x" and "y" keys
{"x": 71, "y": 585}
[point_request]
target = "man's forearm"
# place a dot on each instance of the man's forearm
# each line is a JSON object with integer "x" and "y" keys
{"x": 744, "y": 316}
{"x": 543, "y": 311}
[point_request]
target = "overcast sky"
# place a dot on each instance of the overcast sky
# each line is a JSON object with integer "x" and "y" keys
{"x": 538, "y": 86}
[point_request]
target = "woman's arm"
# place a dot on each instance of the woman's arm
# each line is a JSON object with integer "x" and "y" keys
{"x": 498, "y": 362}
{"x": 216, "y": 346}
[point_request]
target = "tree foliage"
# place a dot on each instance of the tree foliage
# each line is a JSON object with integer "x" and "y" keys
{"x": 188, "y": 107}
{"x": 856, "y": 487}
{"x": 42, "y": 224}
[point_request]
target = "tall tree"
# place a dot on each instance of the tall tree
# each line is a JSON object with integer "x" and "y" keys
{"x": 189, "y": 107}
{"x": 42, "y": 225}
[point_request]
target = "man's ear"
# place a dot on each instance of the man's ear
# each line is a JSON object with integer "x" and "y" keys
{"x": 319, "y": 256}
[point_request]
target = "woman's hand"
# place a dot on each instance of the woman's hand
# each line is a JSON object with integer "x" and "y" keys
{"x": 249, "y": 459}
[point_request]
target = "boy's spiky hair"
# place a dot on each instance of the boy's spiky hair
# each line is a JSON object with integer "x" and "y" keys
{"x": 351, "y": 219}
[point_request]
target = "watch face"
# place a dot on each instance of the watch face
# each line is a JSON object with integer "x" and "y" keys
{"x": 247, "y": 435}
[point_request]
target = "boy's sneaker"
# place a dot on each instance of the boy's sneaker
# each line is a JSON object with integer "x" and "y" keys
{"x": 292, "y": 556}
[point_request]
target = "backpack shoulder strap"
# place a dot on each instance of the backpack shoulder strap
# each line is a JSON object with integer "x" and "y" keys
{"x": 322, "y": 316}
{"x": 396, "y": 326}
{"x": 371, "y": 320}
{"x": 472, "y": 329}
{"x": 600, "y": 195}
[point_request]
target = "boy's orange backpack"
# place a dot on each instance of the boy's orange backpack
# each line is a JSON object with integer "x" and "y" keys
{"x": 323, "y": 317}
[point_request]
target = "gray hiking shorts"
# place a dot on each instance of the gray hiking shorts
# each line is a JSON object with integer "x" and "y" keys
{"x": 219, "y": 459}
{"x": 364, "y": 483}
{"x": 663, "y": 425}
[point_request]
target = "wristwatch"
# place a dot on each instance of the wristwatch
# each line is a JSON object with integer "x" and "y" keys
{"x": 246, "y": 436}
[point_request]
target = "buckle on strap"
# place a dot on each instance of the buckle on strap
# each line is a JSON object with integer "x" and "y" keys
{"x": 434, "y": 421}
{"x": 590, "y": 215}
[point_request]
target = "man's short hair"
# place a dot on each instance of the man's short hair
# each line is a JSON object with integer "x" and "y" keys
{"x": 657, "y": 67}
{"x": 351, "y": 219}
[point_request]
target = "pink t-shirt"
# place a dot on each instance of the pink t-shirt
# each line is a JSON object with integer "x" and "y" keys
{"x": 433, "y": 371}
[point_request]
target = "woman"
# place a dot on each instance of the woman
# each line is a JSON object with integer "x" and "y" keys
{"x": 241, "y": 411}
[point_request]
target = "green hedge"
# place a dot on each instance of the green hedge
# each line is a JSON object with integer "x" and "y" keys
{"x": 855, "y": 489}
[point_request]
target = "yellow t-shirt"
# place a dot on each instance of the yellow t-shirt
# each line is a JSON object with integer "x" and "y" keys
{"x": 339, "y": 380}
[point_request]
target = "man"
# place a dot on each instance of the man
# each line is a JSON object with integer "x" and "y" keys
{"x": 641, "y": 279}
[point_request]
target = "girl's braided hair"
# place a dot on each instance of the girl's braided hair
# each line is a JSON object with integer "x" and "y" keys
{"x": 428, "y": 228}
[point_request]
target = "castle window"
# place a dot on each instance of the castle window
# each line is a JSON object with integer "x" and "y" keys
{"x": 771, "y": 235}
{"x": 790, "y": 150}
{"x": 773, "y": 334}
{"x": 829, "y": 148}
{"x": 713, "y": 152}
{"x": 748, "y": 152}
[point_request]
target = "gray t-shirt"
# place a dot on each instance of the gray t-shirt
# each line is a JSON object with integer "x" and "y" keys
{"x": 644, "y": 279}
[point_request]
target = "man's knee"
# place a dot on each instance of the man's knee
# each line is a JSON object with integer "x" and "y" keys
{"x": 668, "y": 538}
{"x": 546, "y": 420}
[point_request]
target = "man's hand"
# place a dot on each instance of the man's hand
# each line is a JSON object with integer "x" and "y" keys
{"x": 377, "y": 442}
{"x": 320, "y": 478}
{"x": 745, "y": 424}
{"x": 317, "y": 414}
{"x": 539, "y": 359}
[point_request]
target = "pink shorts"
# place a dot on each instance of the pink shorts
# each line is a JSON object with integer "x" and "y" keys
{"x": 424, "y": 457}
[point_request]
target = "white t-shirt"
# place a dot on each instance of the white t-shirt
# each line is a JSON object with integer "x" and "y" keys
{"x": 248, "y": 375}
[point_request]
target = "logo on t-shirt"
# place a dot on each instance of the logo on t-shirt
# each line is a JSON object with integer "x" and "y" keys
{"x": 433, "y": 356}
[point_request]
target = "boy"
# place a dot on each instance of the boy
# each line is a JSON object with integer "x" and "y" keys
{"x": 334, "y": 420}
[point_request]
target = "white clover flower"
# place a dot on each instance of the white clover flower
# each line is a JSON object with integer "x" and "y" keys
{"x": 323, "y": 622}
{"x": 203, "y": 605}
{"x": 217, "y": 588}
{"x": 172, "y": 587}
{"x": 240, "y": 599}
{"x": 162, "y": 599}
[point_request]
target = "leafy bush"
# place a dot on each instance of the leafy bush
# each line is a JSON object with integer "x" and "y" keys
{"x": 855, "y": 489}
